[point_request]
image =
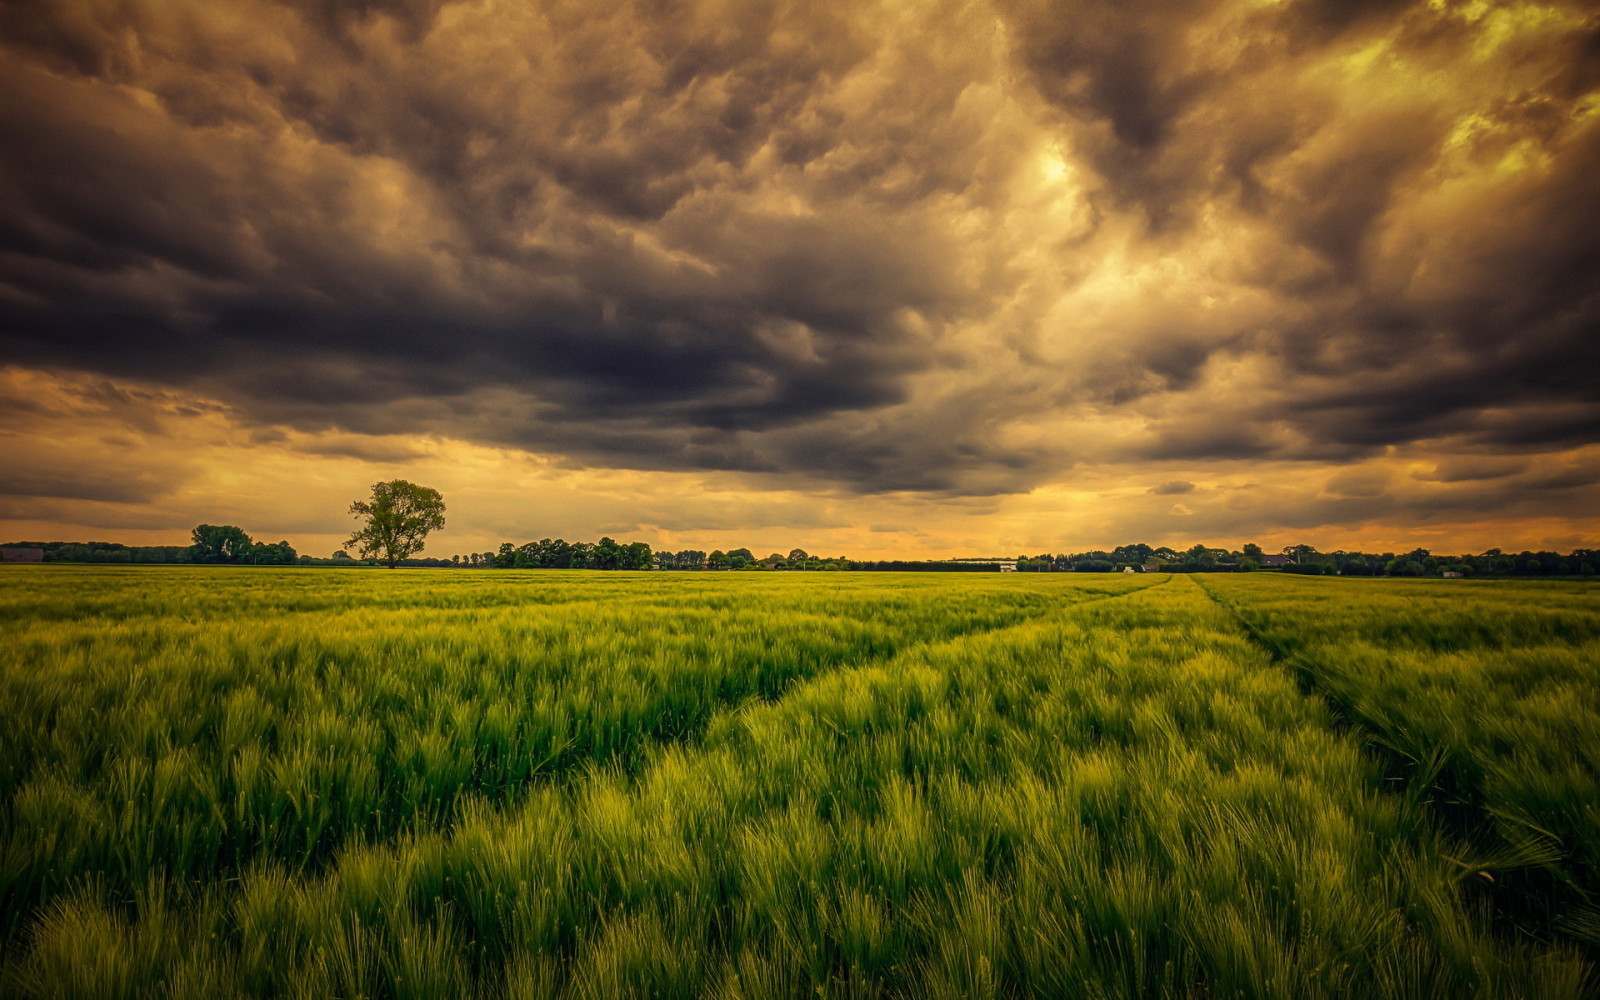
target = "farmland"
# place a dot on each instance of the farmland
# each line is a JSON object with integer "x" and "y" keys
{"x": 275, "y": 782}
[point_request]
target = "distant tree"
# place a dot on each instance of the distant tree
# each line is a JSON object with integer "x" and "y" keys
{"x": 219, "y": 543}
{"x": 1136, "y": 553}
{"x": 281, "y": 554}
{"x": 637, "y": 555}
{"x": 1357, "y": 564}
{"x": 555, "y": 554}
{"x": 686, "y": 559}
{"x": 1403, "y": 567}
{"x": 718, "y": 560}
{"x": 798, "y": 556}
{"x": 397, "y": 519}
{"x": 607, "y": 554}
{"x": 1252, "y": 551}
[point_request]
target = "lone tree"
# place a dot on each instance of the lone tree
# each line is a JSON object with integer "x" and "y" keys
{"x": 397, "y": 521}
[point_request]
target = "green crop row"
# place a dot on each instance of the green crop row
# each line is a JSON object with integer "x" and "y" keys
{"x": 1486, "y": 697}
{"x": 199, "y": 740}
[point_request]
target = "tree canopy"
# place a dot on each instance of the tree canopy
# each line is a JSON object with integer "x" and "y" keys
{"x": 397, "y": 519}
{"x": 219, "y": 543}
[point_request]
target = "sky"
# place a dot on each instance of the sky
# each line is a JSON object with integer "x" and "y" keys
{"x": 877, "y": 279}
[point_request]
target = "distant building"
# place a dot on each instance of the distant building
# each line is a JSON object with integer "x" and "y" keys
{"x": 19, "y": 554}
{"x": 1273, "y": 562}
{"x": 1451, "y": 574}
{"x": 1127, "y": 569}
{"x": 1008, "y": 567}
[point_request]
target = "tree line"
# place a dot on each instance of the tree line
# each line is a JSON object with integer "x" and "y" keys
{"x": 230, "y": 545}
{"x": 608, "y": 553}
{"x": 212, "y": 544}
{"x": 1307, "y": 560}
{"x": 556, "y": 553}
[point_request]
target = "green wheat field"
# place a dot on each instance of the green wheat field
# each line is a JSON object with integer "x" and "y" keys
{"x": 261, "y": 782}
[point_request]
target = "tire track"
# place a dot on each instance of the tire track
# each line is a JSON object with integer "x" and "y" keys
{"x": 1530, "y": 907}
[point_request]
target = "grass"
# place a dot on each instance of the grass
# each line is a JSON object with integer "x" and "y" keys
{"x": 1485, "y": 700}
{"x": 280, "y": 783}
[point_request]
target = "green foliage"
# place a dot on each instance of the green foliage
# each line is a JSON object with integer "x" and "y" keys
{"x": 219, "y": 543}
{"x": 262, "y": 554}
{"x": 398, "y": 518}
{"x": 1403, "y": 567}
{"x": 607, "y": 553}
{"x": 270, "y": 782}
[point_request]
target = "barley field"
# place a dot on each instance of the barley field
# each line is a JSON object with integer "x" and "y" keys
{"x": 265, "y": 782}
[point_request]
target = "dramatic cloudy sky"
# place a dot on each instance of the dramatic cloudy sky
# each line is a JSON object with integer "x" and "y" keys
{"x": 870, "y": 278}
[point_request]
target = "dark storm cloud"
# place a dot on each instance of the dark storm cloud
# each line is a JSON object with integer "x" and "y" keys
{"x": 1172, "y": 488}
{"x": 106, "y": 485}
{"x": 222, "y": 233}
{"x": 1471, "y": 468}
{"x": 814, "y": 240}
{"x": 1564, "y": 477}
{"x": 1200, "y": 439}
{"x": 365, "y": 449}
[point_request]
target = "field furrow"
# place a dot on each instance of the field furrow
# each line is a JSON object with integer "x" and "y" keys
{"x": 1484, "y": 705}
{"x": 197, "y": 743}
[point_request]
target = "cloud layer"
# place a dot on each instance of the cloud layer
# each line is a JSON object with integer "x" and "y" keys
{"x": 933, "y": 250}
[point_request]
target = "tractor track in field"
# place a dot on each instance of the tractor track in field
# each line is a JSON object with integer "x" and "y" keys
{"x": 1519, "y": 911}
{"x": 562, "y": 767}
{"x": 1344, "y": 717}
{"x": 957, "y": 637}
{"x": 843, "y": 668}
